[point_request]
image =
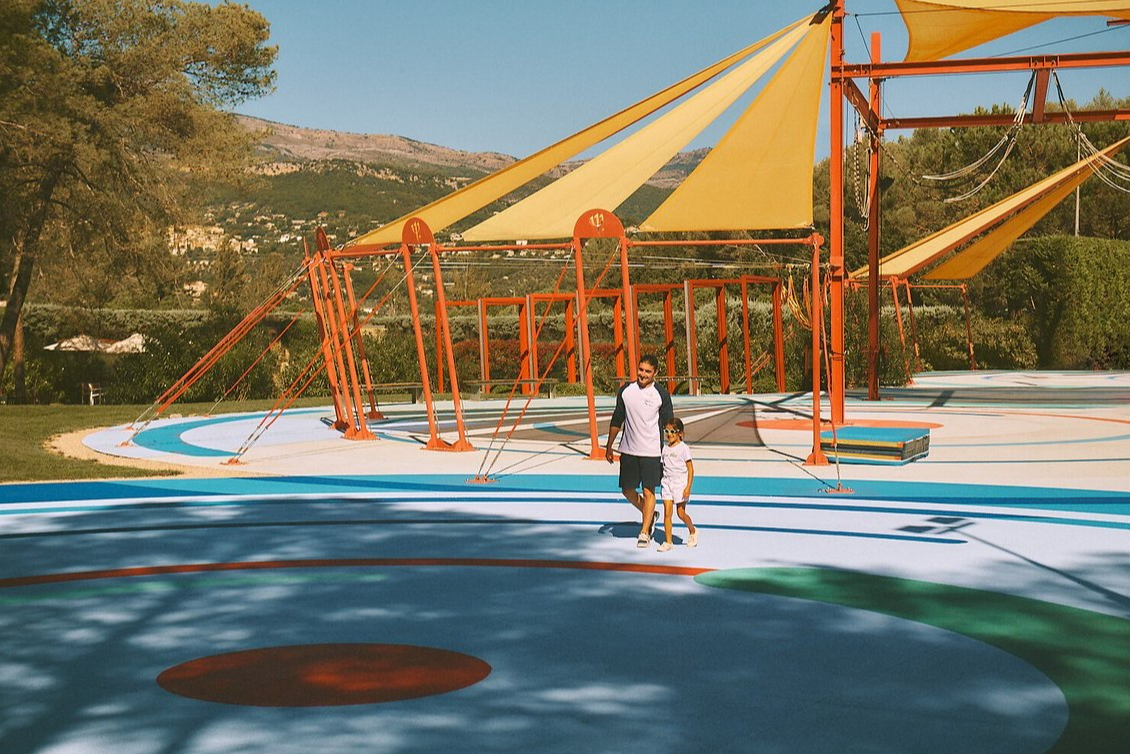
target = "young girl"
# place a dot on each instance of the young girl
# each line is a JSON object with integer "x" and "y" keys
{"x": 678, "y": 476}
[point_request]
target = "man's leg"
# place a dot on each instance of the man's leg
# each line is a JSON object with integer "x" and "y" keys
{"x": 633, "y": 497}
{"x": 648, "y": 509}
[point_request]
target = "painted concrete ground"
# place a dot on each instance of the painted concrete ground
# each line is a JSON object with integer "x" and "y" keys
{"x": 364, "y": 597}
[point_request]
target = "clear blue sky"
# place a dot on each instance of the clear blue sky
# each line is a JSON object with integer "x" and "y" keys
{"x": 513, "y": 77}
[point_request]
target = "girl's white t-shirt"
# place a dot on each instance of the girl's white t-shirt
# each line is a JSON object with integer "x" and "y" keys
{"x": 675, "y": 460}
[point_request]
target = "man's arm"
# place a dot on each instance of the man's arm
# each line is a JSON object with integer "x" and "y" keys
{"x": 613, "y": 431}
{"x": 666, "y": 408}
{"x": 616, "y": 423}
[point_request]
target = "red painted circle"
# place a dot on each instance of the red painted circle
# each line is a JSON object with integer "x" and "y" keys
{"x": 316, "y": 675}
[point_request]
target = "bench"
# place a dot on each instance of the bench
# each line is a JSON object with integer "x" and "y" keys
{"x": 548, "y": 385}
{"x": 415, "y": 390}
{"x": 92, "y": 393}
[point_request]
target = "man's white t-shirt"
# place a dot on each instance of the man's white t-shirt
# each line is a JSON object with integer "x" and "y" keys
{"x": 643, "y": 410}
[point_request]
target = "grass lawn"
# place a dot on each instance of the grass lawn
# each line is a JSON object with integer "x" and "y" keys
{"x": 25, "y": 430}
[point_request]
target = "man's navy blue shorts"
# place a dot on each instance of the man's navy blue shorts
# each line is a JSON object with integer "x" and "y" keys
{"x": 640, "y": 470}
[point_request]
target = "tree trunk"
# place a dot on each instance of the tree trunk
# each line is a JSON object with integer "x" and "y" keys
{"x": 25, "y": 262}
{"x": 19, "y": 373}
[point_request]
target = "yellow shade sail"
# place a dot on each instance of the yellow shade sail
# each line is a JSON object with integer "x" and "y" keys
{"x": 760, "y": 174}
{"x": 611, "y": 177}
{"x": 912, "y": 258}
{"x": 462, "y": 202}
{"x": 973, "y": 259}
{"x": 940, "y": 28}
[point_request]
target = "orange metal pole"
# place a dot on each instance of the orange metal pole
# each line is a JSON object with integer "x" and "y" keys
{"x": 570, "y": 341}
{"x": 618, "y": 337}
{"x": 439, "y": 350}
{"x": 913, "y": 325}
{"x": 745, "y": 339}
{"x": 873, "y": 227}
{"x": 630, "y": 318}
{"x": 692, "y": 337}
{"x": 596, "y": 452}
{"x": 723, "y": 329}
{"x": 443, "y": 326}
{"x": 669, "y": 336}
{"x": 374, "y": 412}
{"x": 836, "y": 381}
{"x": 435, "y": 443}
{"x": 535, "y": 338}
{"x": 484, "y": 343}
{"x": 359, "y": 429}
{"x": 524, "y": 336}
{"x": 778, "y": 337}
{"x": 335, "y": 367}
{"x": 816, "y": 318}
{"x": 902, "y": 333}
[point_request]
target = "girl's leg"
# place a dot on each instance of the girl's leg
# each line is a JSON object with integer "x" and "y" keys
{"x": 682, "y": 510}
{"x": 668, "y": 504}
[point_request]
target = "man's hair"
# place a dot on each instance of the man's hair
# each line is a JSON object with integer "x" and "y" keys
{"x": 652, "y": 360}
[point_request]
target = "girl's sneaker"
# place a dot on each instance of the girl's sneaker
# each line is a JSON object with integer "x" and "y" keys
{"x": 665, "y": 547}
{"x": 692, "y": 541}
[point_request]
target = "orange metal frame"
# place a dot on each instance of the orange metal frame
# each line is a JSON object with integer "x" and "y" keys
{"x": 528, "y": 359}
{"x": 844, "y": 87}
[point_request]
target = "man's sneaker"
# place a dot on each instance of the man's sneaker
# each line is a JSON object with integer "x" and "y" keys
{"x": 665, "y": 547}
{"x": 643, "y": 540}
{"x": 692, "y": 541}
{"x": 654, "y": 519}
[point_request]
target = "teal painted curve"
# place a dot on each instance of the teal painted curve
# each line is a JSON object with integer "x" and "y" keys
{"x": 1086, "y": 654}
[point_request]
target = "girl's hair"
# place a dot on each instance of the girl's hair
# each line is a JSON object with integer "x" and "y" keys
{"x": 674, "y": 422}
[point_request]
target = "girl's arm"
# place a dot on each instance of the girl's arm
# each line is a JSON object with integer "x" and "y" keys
{"x": 690, "y": 480}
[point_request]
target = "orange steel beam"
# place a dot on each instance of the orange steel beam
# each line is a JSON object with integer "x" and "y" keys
{"x": 722, "y": 330}
{"x": 484, "y": 343}
{"x": 618, "y": 340}
{"x": 1106, "y": 59}
{"x": 629, "y": 308}
{"x": 570, "y": 340}
{"x": 836, "y": 381}
{"x": 435, "y": 443}
{"x": 718, "y": 242}
{"x": 595, "y": 223}
{"x": 689, "y": 323}
{"x": 778, "y": 336}
{"x": 816, "y": 317}
{"x": 893, "y": 280}
{"x": 359, "y": 429}
{"x": 213, "y": 355}
{"x": 443, "y": 325}
{"x": 1039, "y": 97}
{"x": 374, "y": 412}
{"x": 963, "y": 121}
{"x": 874, "y": 218}
{"x": 369, "y": 250}
{"x": 524, "y": 336}
{"x": 335, "y": 367}
{"x": 745, "y": 338}
{"x": 668, "y": 320}
{"x": 323, "y": 330}
{"x": 913, "y": 326}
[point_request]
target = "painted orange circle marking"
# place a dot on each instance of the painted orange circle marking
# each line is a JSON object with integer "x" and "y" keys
{"x": 322, "y": 675}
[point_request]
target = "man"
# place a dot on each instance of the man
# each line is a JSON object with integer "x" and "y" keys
{"x": 642, "y": 409}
